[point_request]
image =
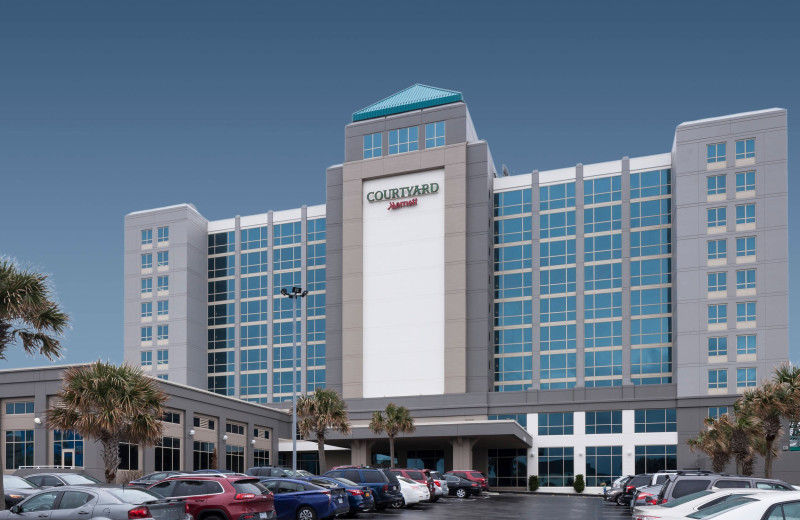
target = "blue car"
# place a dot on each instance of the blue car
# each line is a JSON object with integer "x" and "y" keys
{"x": 360, "y": 497}
{"x": 301, "y": 500}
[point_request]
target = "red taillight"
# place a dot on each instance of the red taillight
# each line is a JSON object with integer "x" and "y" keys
{"x": 630, "y": 488}
{"x": 356, "y": 492}
{"x": 139, "y": 512}
{"x": 326, "y": 492}
{"x": 663, "y": 500}
{"x": 244, "y": 496}
{"x": 386, "y": 488}
{"x": 186, "y": 504}
{"x": 437, "y": 483}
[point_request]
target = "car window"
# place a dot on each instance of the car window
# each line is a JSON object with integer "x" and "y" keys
{"x": 722, "y": 484}
{"x": 187, "y": 488}
{"x": 77, "y": 480}
{"x": 287, "y": 486}
{"x": 272, "y": 485}
{"x": 415, "y": 475}
{"x": 133, "y": 495}
{"x": 347, "y": 482}
{"x": 771, "y": 485}
{"x": 74, "y": 499}
{"x": 660, "y": 479}
{"x": 723, "y": 506}
{"x": 686, "y": 486}
{"x": 476, "y": 474}
{"x": 156, "y": 476}
{"x": 687, "y": 498}
{"x": 41, "y": 502}
{"x": 450, "y": 478}
{"x": 49, "y": 480}
{"x": 791, "y": 510}
{"x": 351, "y": 474}
{"x": 36, "y": 481}
{"x": 165, "y": 489}
{"x": 374, "y": 477}
{"x": 248, "y": 486}
{"x": 14, "y": 482}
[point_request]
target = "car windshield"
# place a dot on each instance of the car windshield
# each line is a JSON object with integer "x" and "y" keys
{"x": 133, "y": 496}
{"x": 723, "y": 506}
{"x": 347, "y": 482}
{"x": 687, "y": 498}
{"x": 304, "y": 473}
{"x": 14, "y": 482}
{"x": 77, "y": 480}
{"x": 249, "y": 486}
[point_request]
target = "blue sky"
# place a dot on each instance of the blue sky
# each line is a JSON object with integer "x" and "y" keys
{"x": 238, "y": 107}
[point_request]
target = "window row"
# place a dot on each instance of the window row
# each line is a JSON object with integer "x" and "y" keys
{"x": 146, "y": 333}
{"x": 717, "y": 152}
{"x": 718, "y": 312}
{"x": 746, "y": 345}
{"x": 718, "y": 378}
{"x": 718, "y": 217}
{"x": 717, "y": 184}
{"x": 162, "y": 308}
{"x": 162, "y": 236}
{"x": 162, "y": 258}
{"x": 147, "y": 285}
{"x": 404, "y": 140}
{"x": 601, "y": 422}
{"x": 162, "y": 358}
{"x": 718, "y": 281}
{"x": 718, "y": 249}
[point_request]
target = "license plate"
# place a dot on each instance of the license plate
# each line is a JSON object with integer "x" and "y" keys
{"x": 366, "y": 494}
{"x": 339, "y": 500}
{"x": 262, "y": 515}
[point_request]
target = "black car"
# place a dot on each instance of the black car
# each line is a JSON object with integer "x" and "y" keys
{"x": 384, "y": 490}
{"x": 46, "y": 480}
{"x": 152, "y": 478}
{"x": 17, "y": 489}
{"x": 461, "y": 487}
{"x": 629, "y": 489}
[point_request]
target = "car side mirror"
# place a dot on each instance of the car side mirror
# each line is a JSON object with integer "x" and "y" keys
{"x": 59, "y": 484}
{"x": 15, "y": 510}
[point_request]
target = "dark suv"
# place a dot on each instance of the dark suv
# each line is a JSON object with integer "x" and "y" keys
{"x": 629, "y": 489}
{"x": 386, "y": 492}
{"x": 219, "y": 497}
{"x": 685, "y": 483}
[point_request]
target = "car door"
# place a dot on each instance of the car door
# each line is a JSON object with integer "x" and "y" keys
{"x": 74, "y": 505}
{"x": 38, "y": 506}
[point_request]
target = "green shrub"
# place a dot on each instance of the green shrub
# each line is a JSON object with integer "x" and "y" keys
{"x": 579, "y": 485}
{"x": 533, "y": 482}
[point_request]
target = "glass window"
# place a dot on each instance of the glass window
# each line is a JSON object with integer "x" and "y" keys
{"x": 651, "y": 242}
{"x": 147, "y": 286}
{"x": 163, "y": 258}
{"x": 163, "y": 307}
{"x": 745, "y": 311}
{"x": 513, "y": 202}
{"x": 19, "y": 407}
{"x": 147, "y": 261}
{"x": 745, "y": 148}
{"x": 654, "y": 183}
{"x": 555, "y": 423}
{"x": 373, "y": 145}
{"x": 434, "y": 134}
{"x": 746, "y": 213}
{"x": 715, "y": 153}
{"x": 163, "y": 357}
{"x": 599, "y": 191}
{"x": 128, "y": 460}
{"x": 718, "y": 346}
{"x": 508, "y": 466}
{"x": 163, "y": 283}
{"x": 254, "y": 238}
{"x": 163, "y": 332}
{"x": 746, "y": 279}
{"x": 68, "y": 440}
{"x": 557, "y": 224}
{"x": 715, "y": 412}
{"x": 163, "y": 377}
{"x": 717, "y": 249}
{"x": 403, "y": 140}
{"x": 650, "y": 459}
{"x": 746, "y": 181}
{"x": 163, "y": 234}
{"x": 745, "y": 246}
{"x": 649, "y": 272}
{"x": 716, "y": 184}
{"x": 19, "y": 447}
{"x": 608, "y": 218}
{"x": 604, "y": 422}
{"x": 717, "y": 281}
{"x": 717, "y": 217}
{"x": 222, "y": 266}
{"x": 219, "y": 243}
{"x": 717, "y": 313}
{"x": 147, "y": 236}
{"x": 746, "y": 344}
{"x": 651, "y": 301}
{"x": 603, "y": 465}
{"x": 557, "y": 196}
{"x": 745, "y": 377}
{"x": 147, "y": 309}
{"x": 168, "y": 454}
{"x": 556, "y": 467}
{"x": 651, "y": 331}
{"x": 147, "y": 333}
{"x": 717, "y": 378}
{"x": 656, "y": 212}
{"x": 655, "y": 420}
{"x": 39, "y": 503}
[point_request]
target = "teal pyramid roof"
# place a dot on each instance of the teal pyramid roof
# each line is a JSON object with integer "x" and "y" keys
{"x": 413, "y": 98}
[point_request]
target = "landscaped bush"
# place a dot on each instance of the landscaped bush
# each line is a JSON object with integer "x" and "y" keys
{"x": 533, "y": 482}
{"x": 579, "y": 485}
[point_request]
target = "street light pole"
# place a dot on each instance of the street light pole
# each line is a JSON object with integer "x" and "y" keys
{"x": 296, "y": 293}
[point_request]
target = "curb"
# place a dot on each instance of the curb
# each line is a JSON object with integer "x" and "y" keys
{"x": 548, "y": 494}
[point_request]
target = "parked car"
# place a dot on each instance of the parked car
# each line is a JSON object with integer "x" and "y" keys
{"x": 219, "y": 497}
{"x": 152, "y": 478}
{"x": 17, "y": 489}
{"x": 440, "y": 482}
{"x": 461, "y": 487}
{"x": 473, "y": 475}
{"x": 116, "y": 503}
{"x": 361, "y": 498}
{"x": 420, "y": 476}
{"x": 302, "y": 500}
{"x": 275, "y": 471}
{"x": 413, "y": 492}
{"x": 617, "y": 487}
{"x": 686, "y": 483}
{"x": 624, "y": 498}
{"x": 689, "y": 504}
{"x": 48, "y": 480}
{"x": 385, "y": 491}
{"x": 647, "y": 495}
{"x": 768, "y": 506}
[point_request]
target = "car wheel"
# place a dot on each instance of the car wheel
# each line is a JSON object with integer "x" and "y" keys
{"x": 619, "y": 500}
{"x": 461, "y": 493}
{"x": 306, "y": 513}
{"x": 398, "y": 504}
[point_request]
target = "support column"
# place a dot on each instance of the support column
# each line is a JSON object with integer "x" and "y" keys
{"x": 462, "y": 452}
{"x": 360, "y": 452}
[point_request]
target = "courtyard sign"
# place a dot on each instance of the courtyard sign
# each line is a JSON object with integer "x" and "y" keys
{"x": 402, "y": 193}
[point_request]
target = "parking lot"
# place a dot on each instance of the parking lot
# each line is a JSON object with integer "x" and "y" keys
{"x": 508, "y": 505}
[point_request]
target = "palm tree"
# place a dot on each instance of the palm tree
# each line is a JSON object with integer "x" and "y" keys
{"x": 397, "y": 419}
{"x": 715, "y": 442}
{"x": 29, "y": 313}
{"x": 111, "y": 404}
{"x": 322, "y": 410}
{"x": 768, "y": 403}
{"x": 744, "y": 430}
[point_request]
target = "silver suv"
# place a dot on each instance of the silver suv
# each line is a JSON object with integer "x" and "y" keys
{"x": 686, "y": 483}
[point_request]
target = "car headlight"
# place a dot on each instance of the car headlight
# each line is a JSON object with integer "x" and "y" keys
{"x": 15, "y": 496}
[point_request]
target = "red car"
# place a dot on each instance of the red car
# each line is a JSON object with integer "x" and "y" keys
{"x": 473, "y": 475}
{"x": 219, "y": 497}
{"x": 418, "y": 475}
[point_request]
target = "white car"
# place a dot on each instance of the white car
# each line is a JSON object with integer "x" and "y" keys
{"x": 413, "y": 492}
{"x": 771, "y": 505}
{"x": 700, "y": 501}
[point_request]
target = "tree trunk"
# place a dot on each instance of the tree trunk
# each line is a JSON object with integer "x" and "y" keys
{"x": 768, "y": 457}
{"x": 391, "y": 451}
{"x": 321, "y": 450}
{"x": 110, "y": 457}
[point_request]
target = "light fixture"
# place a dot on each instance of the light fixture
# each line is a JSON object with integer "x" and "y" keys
{"x": 191, "y": 433}
{"x": 36, "y": 420}
{"x": 253, "y": 442}
{"x": 225, "y": 437}
{"x": 580, "y": 454}
{"x": 629, "y": 453}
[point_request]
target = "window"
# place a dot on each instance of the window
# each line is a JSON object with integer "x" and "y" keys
{"x": 555, "y": 423}
{"x": 656, "y": 212}
{"x": 557, "y": 196}
{"x": 128, "y": 458}
{"x": 745, "y": 246}
{"x": 717, "y": 313}
{"x": 434, "y": 134}
{"x": 147, "y": 286}
{"x": 716, "y": 185}
{"x": 19, "y": 448}
{"x": 654, "y": 183}
{"x": 163, "y": 258}
{"x": 651, "y": 242}
{"x": 746, "y": 279}
{"x": 147, "y": 333}
{"x": 745, "y": 181}
{"x": 260, "y": 457}
{"x": 717, "y": 281}
{"x": 67, "y": 448}
{"x": 147, "y": 237}
{"x": 147, "y": 358}
{"x": 746, "y": 345}
{"x": 604, "y": 422}
{"x": 655, "y": 420}
{"x": 718, "y": 346}
{"x": 237, "y": 429}
{"x": 715, "y": 153}
{"x": 163, "y": 377}
{"x": 648, "y": 272}
{"x": 163, "y": 357}
{"x": 603, "y": 465}
{"x": 512, "y": 203}
{"x": 219, "y": 243}
{"x": 599, "y": 191}
{"x": 147, "y": 310}
{"x": 19, "y": 408}
{"x": 717, "y": 379}
{"x": 510, "y": 464}
{"x": 163, "y": 332}
{"x": 147, "y": 261}
{"x": 163, "y": 234}
{"x": 715, "y": 412}
{"x": 168, "y": 454}
{"x": 556, "y": 467}
{"x": 717, "y": 249}
{"x": 234, "y": 458}
{"x": 203, "y": 454}
{"x": 650, "y": 459}
{"x": 717, "y": 217}
{"x": 746, "y": 214}
{"x": 254, "y": 238}
{"x": 163, "y": 283}
{"x": 373, "y": 145}
{"x": 651, "y": 301}
{"x": 163, "y": 307}
{"x": 403, "y": 140}
{"x": 172, "y": 417}
{"x": 745, "y": 377}
{"x": 745, "y": 311}
{"x": 745, "y": 148}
